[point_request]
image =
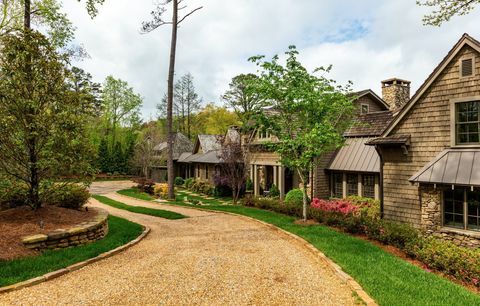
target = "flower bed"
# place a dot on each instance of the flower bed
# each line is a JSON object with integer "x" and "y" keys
{"x": 357, "y": 216}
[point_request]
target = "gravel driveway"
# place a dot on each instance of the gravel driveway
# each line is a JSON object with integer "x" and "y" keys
{"x": 207, "y": 259}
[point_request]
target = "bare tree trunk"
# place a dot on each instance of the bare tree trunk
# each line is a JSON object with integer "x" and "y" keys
{"x": 171, "y": 75}
{"x": 305, "y": 196}
{"x": 27, "y": 15}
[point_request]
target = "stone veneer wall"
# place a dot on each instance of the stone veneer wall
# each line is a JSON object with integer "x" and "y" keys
{"x": 431, "y": 221}
{"x": 80, "y": 234}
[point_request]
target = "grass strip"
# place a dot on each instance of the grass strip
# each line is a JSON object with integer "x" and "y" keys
{"x": 120, "y": 232}
{"x": 140, "y": 210}
{"x": 135, "y": 193}
{"x": 388, "y": 279}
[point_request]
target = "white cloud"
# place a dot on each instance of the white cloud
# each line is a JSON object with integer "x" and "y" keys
{"x": 366, "y": 41}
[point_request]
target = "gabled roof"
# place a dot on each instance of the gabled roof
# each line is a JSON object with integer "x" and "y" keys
{"x": 355, "y": 156}
{"x": 181, "y": 144}
{"x": 372, "y": 94}
{"x": 464, "y": 40}
{"x": 452, "y": 167}
{"x": 371, "y": 124}
{"x": 208, "y": 143}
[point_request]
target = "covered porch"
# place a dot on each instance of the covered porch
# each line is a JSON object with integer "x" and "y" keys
{"x": 264, "y": 176}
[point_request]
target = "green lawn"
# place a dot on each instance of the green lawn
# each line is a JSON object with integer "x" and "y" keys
{"x": 120, "y": 232}
{"x": 386, "y": 278}
{"x": 140, "y": 210}
{"x": 135, "y": 193}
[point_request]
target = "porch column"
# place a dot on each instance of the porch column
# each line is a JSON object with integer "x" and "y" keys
{"x": 275, "y": 175}
{"x": 377, "y": 187}
{"x": 281, "y": 182}
{"x": 252, "y": 169}
{"x": 360, "y": 185}
{"x": 344, "y": 189}
{"x": 256, "y": 185}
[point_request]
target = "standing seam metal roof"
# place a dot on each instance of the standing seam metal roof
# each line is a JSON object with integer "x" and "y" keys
{"x": 452, "y": 167}
{"x": 356, "y": 156}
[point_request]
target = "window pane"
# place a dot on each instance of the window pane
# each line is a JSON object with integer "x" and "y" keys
{"x": 473, "y": 202}
{"x": 453, "y": 208}
{"x": 468, "y": 122}
{"x": 352, "y": 184}
{"x": 368, "y": 186}
{"x": 338, "y": 185}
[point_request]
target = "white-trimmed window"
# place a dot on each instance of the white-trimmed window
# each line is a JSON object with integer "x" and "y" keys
{"x": 352, "y": 184}
{"x": 337, "y": 190}
{"x": 461, "y": 209}
{"x": 467, "y": 123}
{"x": 368, "y": 186}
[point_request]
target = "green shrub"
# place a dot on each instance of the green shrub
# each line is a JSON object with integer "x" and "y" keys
{"x": 274, "y": 192}
{"x": 71, "y": 196}
{"x": 179, "y": 181}
{"x": 462, "y": 263}
{"x": 295, "y": 197}
{"x": 189, "y": 182}
{"x": 249, "y": 185}
{"x": 203, "y": 187}
{"x": 368, "y": 207}
{"x": 12, "y": 194}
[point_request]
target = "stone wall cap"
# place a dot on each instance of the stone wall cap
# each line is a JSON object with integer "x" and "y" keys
{"x": 459, "y": 231}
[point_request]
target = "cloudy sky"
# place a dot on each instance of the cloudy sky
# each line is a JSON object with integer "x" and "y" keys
{"x": 365, "y": 41}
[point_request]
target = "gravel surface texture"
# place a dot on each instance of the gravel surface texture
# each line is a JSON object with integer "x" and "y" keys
{"x": 207, "y": 259}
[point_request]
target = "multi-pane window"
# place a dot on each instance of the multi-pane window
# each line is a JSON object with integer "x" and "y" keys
{"x": 368, "y": 186}
{"x": 462, "y": 209}
{"x": 352, "y": 184}
{"x": 338, "y": 185}
{"x": 453, "y": 208}
{"x": 467, "y": 124}
{"x": 473, "y": 208}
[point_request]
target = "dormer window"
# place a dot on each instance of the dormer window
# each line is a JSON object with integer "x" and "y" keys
{"x": 364, "y": 109}
{"x": 467, "y": 67}
{"x": 467, "y": 123}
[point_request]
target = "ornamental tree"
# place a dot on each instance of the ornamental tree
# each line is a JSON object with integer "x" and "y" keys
{"x": 43, "y": 121}
{"x": 308, "y": 113}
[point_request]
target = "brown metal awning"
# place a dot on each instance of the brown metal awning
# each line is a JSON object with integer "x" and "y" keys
{"x": 356, "y": 156}
{"x": 452, "y": 167}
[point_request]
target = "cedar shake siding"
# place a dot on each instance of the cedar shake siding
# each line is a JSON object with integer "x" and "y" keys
{"x": 372, "y": 105}
{"x": 428, "y": 123}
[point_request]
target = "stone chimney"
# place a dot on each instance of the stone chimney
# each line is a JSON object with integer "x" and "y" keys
{"x": 396, "y": 93}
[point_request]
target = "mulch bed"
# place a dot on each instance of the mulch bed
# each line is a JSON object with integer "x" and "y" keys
{"x": 23, "y": 221}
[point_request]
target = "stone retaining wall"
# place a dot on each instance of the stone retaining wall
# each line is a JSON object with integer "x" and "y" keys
{"x": 80, "y": 234}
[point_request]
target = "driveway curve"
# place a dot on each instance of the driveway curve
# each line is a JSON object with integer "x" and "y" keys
{"x": 206, "y": 259}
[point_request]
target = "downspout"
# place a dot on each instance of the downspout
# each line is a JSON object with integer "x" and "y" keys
{"x": 380, "y": 181}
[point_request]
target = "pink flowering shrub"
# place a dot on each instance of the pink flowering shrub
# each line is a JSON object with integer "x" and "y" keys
{"x": 343, "y": 207}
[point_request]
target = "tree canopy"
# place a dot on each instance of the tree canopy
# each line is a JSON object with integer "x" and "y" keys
{"x": 308, "y": 113}
{"x": 42, "y": 120}
{"x": 242, "y": 98}
{"x": 444, "y": 10}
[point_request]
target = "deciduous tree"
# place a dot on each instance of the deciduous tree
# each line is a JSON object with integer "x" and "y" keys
{"x": 308, "y": 114}
{"x": 244, "y": 101}
{"x": 233, "y": 167}
{"x": 43, "y": 123}
{"x": 444, "y": 10}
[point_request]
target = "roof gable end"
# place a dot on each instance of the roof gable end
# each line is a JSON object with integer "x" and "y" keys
{"x": 464, "y": 41}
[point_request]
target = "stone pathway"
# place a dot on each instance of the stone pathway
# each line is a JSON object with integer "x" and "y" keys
{"x": 206, "y": 259}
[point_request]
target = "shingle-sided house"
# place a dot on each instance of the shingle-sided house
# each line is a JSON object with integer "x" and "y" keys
{"x": 181, "y": 145}
{"x": 431, "y": 151}
{"x": 354, "y": 169}
{"x": 203, "y": 162}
